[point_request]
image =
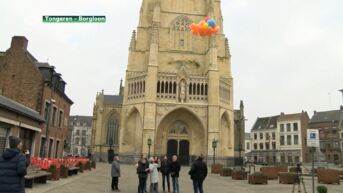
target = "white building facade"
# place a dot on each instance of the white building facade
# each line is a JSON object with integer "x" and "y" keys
{"x": 81, "y": 135}
{"x": 290, "y": 149}
{"x": 280, "y": 139}
{"x": 247, "y": 147}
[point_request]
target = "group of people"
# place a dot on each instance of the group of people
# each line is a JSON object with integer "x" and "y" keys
{"x": 151, "y": 167}
{"x": 148, "y": 172}
{"x": 13, "y": 168}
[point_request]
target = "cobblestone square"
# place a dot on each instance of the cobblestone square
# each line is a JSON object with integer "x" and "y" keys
{"x": 98, "y": 181}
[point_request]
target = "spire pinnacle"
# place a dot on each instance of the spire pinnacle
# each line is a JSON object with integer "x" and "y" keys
{"x": 227, "y": 48}
{"x": 133, "y": 41}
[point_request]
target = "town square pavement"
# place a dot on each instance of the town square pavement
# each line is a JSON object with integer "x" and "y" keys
{"x": 98, "y": 181}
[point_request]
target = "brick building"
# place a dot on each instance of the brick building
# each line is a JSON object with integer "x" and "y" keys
{"x": 36, "y": 85}
{"x": 330, "y": 125}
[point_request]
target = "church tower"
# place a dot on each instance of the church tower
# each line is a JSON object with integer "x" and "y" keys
{"x": 178, "y": 87}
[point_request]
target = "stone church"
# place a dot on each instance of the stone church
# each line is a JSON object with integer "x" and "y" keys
{"x": 178, "y": 90}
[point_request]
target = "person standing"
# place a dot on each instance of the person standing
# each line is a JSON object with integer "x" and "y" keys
{"x": 115, "y": 172}
{"x": 153, "y": 175}
{"x": 198, "y": 174}
{"x": 142, "y": 171}
{"x": 165, "y": 173}
{"x": 175, "y": 168}
{"x": 13, "y": 168}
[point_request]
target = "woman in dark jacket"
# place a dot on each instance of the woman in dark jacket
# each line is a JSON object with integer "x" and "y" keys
{"x": 142, "y": 171}
{"x": 12, "y": 168}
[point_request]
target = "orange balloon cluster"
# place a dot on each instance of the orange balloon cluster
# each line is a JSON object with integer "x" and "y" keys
{"x": 206, "y": 27}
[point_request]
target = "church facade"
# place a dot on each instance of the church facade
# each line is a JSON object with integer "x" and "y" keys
{"x": 178, "y": 91}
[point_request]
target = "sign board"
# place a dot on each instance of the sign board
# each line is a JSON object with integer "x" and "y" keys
{"x": 312, "y": 138}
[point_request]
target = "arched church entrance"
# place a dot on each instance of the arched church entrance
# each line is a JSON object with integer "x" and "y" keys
{"x": 178, "y": 141}
{"x": 181, "y": 133}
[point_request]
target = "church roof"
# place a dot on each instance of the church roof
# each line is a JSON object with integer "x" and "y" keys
{"x": 113, "y": 99}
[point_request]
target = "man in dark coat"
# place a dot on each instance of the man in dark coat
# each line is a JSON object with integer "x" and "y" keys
{"x": 175, "y": 168}
{"x": 115, "y": 172}
{"x": 198, "y": 174}
{"x": 12, "y": 168}
{"x": 165, "y": 170}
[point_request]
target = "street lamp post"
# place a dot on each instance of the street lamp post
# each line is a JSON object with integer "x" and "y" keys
{"x": 214, "y": 146}
{"x": 273, "y": 152}
{"x": 240, "y": 140}
{"x": 312, "y": 151}
{"x": 149, "y": 145}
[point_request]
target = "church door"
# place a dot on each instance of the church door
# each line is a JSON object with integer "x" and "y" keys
{"x": 179, "y": 148}
{"x": 178, "y": 142}
{"x": 184, "y": 152}
{"x": 172, "y": 147}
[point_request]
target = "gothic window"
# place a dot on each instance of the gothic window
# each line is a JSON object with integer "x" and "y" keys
{"x": 202, "y": 89}
{"x": 167, "y": 84}
{"x": 174, "y": 88}
{"x": 144, "y": 86}
{"x": 182, "y": 23}
{"x": 190, "y": 89}
{"x": 198, "y": 89}
{"x": 170, "y": 87}
{"x": 158, "y": 87}
{"x": 140, "y": 87}
{"x": 180, "y": 33}
{"x": 194, "y": 88}
{"x": 113, "y": 130}
{"x": 162, "y": 87}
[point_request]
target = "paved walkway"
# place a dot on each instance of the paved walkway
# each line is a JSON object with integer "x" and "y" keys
{"x": 98, "y": 181}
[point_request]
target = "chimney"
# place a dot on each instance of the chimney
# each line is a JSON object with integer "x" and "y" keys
{"x": 19, "y": 43}
{"x": 282, "y": 113}
{"x": 314, "y": 112}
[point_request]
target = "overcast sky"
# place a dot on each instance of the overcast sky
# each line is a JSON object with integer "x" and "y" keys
{"x": 287, "y": 55}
